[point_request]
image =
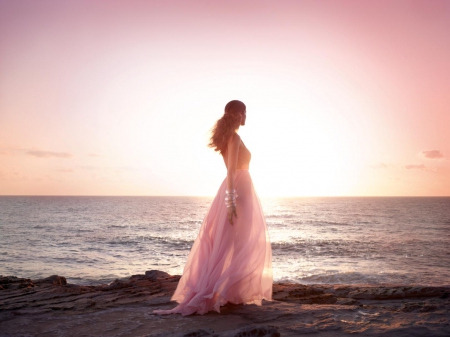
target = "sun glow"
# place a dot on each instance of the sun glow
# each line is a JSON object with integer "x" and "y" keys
{"x": 300, "y": 147}
{"x": 304, "y": 146}
{"x": 308, "y": 157}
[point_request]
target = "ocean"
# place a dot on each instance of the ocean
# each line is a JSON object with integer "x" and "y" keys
{"x": 92, "y": 240}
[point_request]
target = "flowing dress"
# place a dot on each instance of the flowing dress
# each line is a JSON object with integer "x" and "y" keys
{"x": 228, "y": 263}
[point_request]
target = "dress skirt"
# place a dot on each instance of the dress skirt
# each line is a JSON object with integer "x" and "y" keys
{"x": 227, "y": 263}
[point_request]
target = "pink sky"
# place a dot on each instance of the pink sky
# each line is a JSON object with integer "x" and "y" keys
{"x": 117, "y": 97}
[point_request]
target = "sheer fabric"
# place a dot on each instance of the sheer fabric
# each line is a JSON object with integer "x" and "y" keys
{"x": 227, "y": 263}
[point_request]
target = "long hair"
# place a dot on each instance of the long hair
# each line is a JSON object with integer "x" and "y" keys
{"x": 226, "y": 125}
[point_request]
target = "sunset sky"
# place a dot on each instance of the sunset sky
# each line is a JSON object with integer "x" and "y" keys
{"x": 344, "y": 98}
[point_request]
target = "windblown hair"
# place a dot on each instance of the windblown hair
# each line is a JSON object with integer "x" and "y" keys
{"x": 225, "y": 126}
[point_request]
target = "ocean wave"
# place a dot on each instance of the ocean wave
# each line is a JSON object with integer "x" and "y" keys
{"x": 333, "y": 248}
{"x": 40, "y": 227}
{"x": 282, "y": 216}
{"x": 332, "y": 223}
{"x": 191, "y": 222}
{"x": 170, "y": 242}
{"x": 122, "y": 242}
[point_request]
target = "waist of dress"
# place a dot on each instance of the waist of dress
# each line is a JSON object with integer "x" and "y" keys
{"x": 240, "y": 169}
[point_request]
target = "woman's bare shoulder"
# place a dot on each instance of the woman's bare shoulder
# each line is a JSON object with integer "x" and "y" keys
{"x": 235, "y": 138}
{"x": 234, "y": 142}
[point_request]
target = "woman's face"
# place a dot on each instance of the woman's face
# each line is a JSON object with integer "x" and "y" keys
{"x": 243, "y": 117}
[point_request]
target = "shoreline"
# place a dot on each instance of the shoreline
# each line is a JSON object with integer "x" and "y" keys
{"x": 75, "y": 281}
{"x": 51, "y": 307}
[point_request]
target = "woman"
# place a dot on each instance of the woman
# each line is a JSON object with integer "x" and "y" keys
{"x": 231, "y": 258}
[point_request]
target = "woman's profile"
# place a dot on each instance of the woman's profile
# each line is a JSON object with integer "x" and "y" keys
{"x": 231, "y": 258}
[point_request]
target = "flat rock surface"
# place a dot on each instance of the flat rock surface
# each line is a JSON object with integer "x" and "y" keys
{"x": 51, "y": 307}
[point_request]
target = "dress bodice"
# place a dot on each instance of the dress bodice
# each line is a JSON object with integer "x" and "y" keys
{"x": 244, "y": 157}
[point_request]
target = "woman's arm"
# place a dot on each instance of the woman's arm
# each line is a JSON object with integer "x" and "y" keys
{"x": 233, "y": 151}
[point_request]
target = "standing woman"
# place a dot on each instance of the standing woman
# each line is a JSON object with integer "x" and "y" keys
{"x": 231, "y": 258}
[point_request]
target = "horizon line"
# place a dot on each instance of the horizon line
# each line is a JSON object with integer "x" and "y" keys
{"x": 210, "y": 196}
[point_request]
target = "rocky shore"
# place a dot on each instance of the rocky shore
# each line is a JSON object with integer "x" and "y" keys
{"x": 52, "y": 307}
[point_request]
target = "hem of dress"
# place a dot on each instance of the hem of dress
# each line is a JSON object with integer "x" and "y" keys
{"x": 178, "y": 309}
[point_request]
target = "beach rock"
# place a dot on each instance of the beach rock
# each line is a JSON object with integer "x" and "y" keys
{"x": 247, "y": 331}
{"x": 302, "y": 294}
{"x": 156, "y": 274}
{"x": 399, "y": 292}
{"x": 190, "y": 333}
{"x": 118, "y": 284}
{"x": 13, "y": 282}
{"x": 51, "y": 306}
{"x": 253, "y": 331}
{"x": 54, "y": 280}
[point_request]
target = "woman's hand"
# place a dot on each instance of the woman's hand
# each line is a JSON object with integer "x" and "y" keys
{"x": 231, "y": 211}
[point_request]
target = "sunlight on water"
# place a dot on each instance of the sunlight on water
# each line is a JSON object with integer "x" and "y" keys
{"x": 314, "y": 240}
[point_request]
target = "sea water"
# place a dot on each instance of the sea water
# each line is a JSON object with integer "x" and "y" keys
{"x": 92, "y": 240}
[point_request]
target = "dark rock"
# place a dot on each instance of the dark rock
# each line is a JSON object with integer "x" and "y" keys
{"x": 418, "y": 307}
{"x": 13, "y": 282}
{"x": 302, "y": 294}
{"x": 253, "y": 331}
{"x": 156, "y": 274}
{"x": 117, "y": 284}
{"x": 347, "y": 301}
{"x": 396, "y": 292}
{"x": 54, "y": 280}
{"x": 199, "y": 333}
{"x": 190, "y": 333}
{"x": 370, "y": 310}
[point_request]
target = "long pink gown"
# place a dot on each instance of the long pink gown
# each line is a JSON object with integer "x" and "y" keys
{"x": 228, "y": 263}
